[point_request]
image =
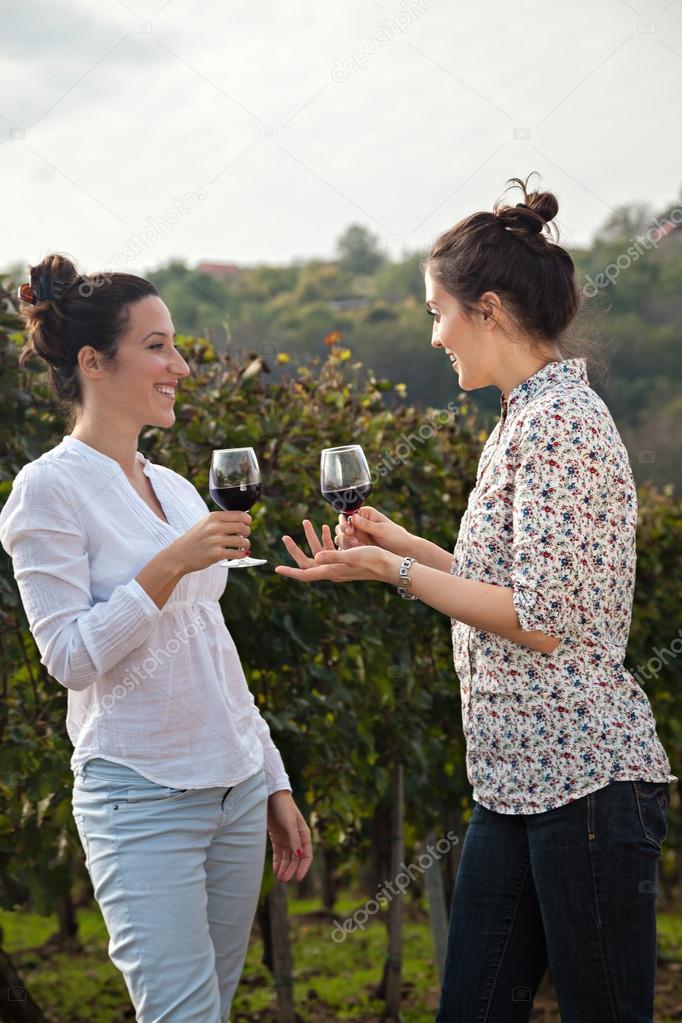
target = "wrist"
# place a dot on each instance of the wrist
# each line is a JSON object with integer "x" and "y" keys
{"x": 174, "y": 561}
{"x": 389, "y": 567}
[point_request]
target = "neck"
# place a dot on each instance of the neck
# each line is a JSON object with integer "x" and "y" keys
{"x": 109, "y": 437}
{"x": 522, "y": 365}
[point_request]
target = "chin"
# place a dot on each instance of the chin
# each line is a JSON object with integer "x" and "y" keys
{"x": 162, "y": 423}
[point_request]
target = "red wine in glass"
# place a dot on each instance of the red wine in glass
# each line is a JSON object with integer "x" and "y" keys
{"x": 234, "y": 483}
{"x": 349, "y": 500}
{"x": 236, "y": 498}
{"x": 345, "y": 479}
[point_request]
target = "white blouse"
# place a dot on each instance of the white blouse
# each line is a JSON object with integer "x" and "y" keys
{"x": 160, "y": 690}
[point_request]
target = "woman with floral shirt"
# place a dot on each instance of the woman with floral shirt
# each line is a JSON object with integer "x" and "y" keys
{"x": 570, "y": 781}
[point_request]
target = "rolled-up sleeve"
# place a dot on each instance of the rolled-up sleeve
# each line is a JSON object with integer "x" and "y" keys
{"x": 559, "y": 487}
{"x": 79, "y": 640}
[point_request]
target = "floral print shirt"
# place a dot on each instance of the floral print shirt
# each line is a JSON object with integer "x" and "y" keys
{"x": 553, "y": 516}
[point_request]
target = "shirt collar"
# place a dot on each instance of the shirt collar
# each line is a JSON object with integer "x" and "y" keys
{"x": 98, "y": 456}
{"x": 552, "y": 375}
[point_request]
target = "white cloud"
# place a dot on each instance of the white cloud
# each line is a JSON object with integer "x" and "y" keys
{"x": 125, "y": 120}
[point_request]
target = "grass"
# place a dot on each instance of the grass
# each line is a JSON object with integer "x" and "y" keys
{"x": 332, "y": 980}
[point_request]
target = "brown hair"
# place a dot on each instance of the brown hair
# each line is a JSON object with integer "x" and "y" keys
{"x": 510, "y": 251}
{"x": 93, "y": 310}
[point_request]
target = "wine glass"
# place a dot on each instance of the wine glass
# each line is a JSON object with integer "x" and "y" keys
{"x": 345, "y": 479}
{"x": 235, "y": 485}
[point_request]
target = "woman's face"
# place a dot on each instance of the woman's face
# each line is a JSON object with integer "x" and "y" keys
{"x": 139, "y": 387}
{"x": 471, "y": 349}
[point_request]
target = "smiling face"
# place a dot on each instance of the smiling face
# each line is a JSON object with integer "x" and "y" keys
{"x": 468, "y": 341}
{"x": 138, "y": 389}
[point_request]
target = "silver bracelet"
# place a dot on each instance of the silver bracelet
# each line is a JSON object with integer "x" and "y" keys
{"x": 404, "y": 575}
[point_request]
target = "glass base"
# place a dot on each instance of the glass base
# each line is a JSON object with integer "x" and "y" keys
{"x": 242, "y": 563}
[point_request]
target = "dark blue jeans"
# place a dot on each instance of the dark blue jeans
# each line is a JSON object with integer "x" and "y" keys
{"x": 573, "y": 889}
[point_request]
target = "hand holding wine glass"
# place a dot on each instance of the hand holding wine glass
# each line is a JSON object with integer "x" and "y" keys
{"x": 370, "y": 527}
{"x": 235, "y": 485}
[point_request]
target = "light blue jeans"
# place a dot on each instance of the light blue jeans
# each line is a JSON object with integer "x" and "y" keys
{"x": 176, "y": 874}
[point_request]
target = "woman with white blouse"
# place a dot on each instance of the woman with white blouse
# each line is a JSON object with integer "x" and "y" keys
{"x": 570, "y": 781}
{"x": 119, "y": 566}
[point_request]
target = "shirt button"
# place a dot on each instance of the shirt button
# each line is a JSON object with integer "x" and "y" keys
{"x": 115, "y": 806}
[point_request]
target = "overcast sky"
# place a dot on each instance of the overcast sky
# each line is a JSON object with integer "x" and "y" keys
{"x": 256, "y": 132}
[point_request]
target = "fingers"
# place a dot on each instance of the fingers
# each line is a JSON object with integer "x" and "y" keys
{"x": 327, "y": 539}
{"x": 293, "y": 860}
{"x": 283, "y": 862}
{"x": 301, "y": 559}
{"x": 232, "y": 517}
{"x": 237, "y": 541}
{"x": 311, "y": 537}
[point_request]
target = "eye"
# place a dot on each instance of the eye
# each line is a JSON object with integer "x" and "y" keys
{"x": 433, "y": 314}
{"x": 159, "y": 344}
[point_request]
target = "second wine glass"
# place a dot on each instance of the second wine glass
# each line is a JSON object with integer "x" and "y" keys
{"x": 345, "y": 479}
{"x": 235, "y": 485}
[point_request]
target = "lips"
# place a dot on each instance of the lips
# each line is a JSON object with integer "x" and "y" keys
{"x": 165, "y": 389}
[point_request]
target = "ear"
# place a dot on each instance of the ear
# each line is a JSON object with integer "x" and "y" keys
{"x": 91, "y": 362}
{"x": 490, "y": 307}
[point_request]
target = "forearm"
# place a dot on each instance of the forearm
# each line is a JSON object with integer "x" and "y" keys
{"x": 484, "y": 606}
{"x": 160, "y": 576}
{"x": 429, "y": 554}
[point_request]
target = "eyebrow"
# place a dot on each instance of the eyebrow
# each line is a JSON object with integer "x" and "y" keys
{"x": 158, "y": 333}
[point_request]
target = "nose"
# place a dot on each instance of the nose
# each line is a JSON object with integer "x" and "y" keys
{"x": 435, "y": 340}
{"x": 178, "y": 366}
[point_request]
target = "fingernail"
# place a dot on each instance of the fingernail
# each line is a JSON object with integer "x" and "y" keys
{"x": 299, "y": 853}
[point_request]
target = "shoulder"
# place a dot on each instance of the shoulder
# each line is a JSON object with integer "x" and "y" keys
{"x": 42, "y": 496}
{"x": 48, "y": 474}
{"x": 570, "y": 416}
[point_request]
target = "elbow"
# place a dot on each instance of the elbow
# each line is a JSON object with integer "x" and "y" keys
{"x": 74, "y": 681}
{"x": 541, "y": 642}
{"x": 67, "y": 670}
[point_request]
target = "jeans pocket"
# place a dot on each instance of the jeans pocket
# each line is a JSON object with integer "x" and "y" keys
{"x": 653, "y": 799}
{"x": 149, "y": 793}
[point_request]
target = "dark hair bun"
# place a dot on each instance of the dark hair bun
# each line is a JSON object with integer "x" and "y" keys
{"x": 64, "y": 311}
{"x": 528, "y": 217}
{"x": 44, "y": 321}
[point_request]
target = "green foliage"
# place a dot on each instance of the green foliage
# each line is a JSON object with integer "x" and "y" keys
{"x": 350, "y": 678}
{"x": 331, "y": 981}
